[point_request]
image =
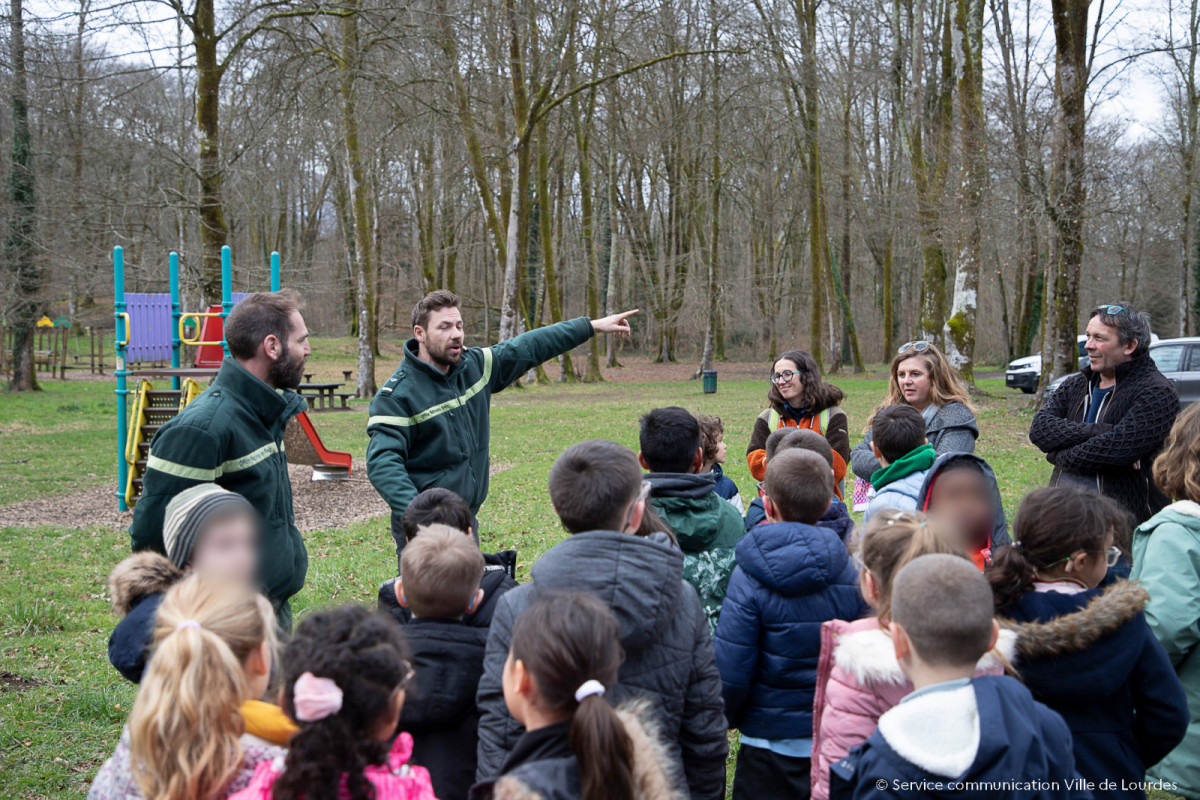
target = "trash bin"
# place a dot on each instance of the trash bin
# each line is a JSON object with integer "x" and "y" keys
{"x": 710, "y": 381}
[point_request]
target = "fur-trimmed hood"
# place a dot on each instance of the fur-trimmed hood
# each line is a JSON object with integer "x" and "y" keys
{"x": 869, "y": 658}
{"x": 1104, "y": 613}
{"x": 1084, "y": 644}
{"x": 651, "y": 778}
{"x": 138, "y": 576}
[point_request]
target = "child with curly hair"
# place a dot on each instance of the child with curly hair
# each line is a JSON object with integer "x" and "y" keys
{"x": 344, "y": 675}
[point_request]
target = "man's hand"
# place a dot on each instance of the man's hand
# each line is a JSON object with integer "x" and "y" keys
{"x": 615, "y": 323}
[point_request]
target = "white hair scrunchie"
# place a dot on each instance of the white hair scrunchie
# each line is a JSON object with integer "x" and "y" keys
{"x": 587, "y": 689}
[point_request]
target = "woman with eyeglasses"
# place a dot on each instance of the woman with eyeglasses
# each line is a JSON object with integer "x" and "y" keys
{"x": 922, "y": 377}
{"x": 799, "y": 398}
{"x": 1084, "y": 647}
{"x": 1166, "y": 561}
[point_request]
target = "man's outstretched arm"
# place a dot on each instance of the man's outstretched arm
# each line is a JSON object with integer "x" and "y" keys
{"x": 511, "y": 359}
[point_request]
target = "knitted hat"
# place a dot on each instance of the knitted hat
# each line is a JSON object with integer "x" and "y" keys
{"x": 190, "y": 511}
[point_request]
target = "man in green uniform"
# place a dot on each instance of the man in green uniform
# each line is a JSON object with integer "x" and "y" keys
{"x": 429, "y": 424}
{"x": 232, "y": 435}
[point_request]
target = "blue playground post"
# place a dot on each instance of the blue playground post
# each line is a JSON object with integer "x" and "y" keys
{"x": 122, "y": 339}
{"x": 226, "y": 291}
{"x": 176, "y": 313}
{"x": 274, "y": 271}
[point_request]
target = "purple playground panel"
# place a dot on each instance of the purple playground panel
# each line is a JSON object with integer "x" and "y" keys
{"x": 150, "y": 326}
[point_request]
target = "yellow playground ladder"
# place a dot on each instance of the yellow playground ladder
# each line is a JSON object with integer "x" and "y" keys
{"x": 151, "y": 409}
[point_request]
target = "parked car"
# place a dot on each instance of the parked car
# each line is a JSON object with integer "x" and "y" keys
{"x": 1179, "y": 362}
{"x": 1024, "y": 373}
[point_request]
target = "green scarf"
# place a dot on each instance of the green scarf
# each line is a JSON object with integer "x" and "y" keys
{"x": 917, "y": 460}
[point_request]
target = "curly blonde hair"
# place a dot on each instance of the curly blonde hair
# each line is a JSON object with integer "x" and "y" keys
{"x": 185, "y": 725}
{"x": 1177, "y": 468}
{"x": 945, "y": 384}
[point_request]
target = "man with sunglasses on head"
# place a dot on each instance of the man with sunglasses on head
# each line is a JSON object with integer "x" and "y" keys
{"x": 1104, "y": 426}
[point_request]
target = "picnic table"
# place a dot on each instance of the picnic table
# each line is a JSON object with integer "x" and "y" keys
{"x": 320, "y": 396}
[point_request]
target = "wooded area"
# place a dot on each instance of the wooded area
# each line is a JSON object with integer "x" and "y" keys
{"x": 840, "y": 175}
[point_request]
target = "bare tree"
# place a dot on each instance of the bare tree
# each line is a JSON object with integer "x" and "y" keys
{"x": 20, "y": 240}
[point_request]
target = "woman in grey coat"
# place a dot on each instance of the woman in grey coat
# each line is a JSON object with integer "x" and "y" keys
{"x": 922, "y": 377}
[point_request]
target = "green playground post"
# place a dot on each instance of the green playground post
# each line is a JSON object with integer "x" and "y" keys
{"x": 274, "y": 270}
{"x": 121, "y": 341}
{"x": 226, "y": 291}
{"x": 176, "y": 314}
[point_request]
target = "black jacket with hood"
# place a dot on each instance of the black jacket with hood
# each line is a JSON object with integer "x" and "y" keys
{"x": 1118, "y": 449}
{"x": 543, "y": 766}
{"x": 137, "y": 586}
{"x": 439, "y": 707}
{"x": 669, "y": 661}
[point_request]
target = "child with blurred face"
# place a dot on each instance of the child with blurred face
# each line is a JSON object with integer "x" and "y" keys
{"x": 961, "y": 498}
{"x": 208, "y": 531}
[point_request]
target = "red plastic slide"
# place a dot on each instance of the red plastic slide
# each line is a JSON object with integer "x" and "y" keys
{"x": 329, "y": 462}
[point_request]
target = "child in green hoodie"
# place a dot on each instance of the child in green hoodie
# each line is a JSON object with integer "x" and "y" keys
{"x": 706, "y": 526}
{"x": 898, "y": 441}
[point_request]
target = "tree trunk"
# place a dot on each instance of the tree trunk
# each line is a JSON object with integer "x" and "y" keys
{"x": 806, "y": 18}
{"x": 20, "y": 249}
{"x": 214, "y": 229}
{"x": 1067, "y": 187}
{"x": 610, "y": 289}
{"x": 549, "y": 267}
{"x": 364, "y": 282}
{"x": 930, "y": 169}
{"x": 960, "y": 327}
{"x": 714, "y": 236}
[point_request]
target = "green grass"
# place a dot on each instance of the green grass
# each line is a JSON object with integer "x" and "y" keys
{"x": 61, "y": 721}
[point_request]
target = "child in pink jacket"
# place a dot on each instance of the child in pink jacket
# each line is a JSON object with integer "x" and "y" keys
{"x": 344, "y": 676}
{"x": 858, "y": 676}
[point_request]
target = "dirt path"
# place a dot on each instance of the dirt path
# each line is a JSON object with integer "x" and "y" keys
{"x": 319, "y": 505}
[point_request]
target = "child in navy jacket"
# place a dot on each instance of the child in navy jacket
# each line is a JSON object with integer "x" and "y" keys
{"x": 837, "y": 518}
{"x": 956, "y": 736}
{"x": 791, "y": 577}
{"x": 1088, "y": 652}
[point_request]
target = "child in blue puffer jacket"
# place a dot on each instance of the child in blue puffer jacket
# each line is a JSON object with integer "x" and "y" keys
{"x": 791, "y": 577}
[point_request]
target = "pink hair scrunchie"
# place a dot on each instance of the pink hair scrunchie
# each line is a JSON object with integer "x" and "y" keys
{"x": 315, "y": 698}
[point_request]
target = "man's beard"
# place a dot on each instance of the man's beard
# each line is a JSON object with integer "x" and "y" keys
{"x": 286, "y": 372}
{"x": 443, "y": 357}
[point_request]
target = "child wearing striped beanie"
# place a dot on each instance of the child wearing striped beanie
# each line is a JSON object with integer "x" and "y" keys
{"x": 207, "y": 530}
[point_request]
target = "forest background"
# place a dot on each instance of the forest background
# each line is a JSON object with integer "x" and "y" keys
{"x": 839, "y": 175}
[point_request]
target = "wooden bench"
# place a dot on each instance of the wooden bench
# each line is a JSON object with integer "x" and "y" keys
{"x": 344, "y": 397}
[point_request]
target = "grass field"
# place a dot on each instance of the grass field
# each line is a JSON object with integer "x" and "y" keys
{"x": 62, "y": 705}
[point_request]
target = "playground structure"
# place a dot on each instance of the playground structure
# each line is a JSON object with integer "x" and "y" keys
{"x": 154, "y": 328}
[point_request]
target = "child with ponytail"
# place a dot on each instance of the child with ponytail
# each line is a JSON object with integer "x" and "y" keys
{"x": 1087, "y": 652}
{"x": 344, "y": 675}
{"x": 564, "y": 657}
{"x": 185, "y": 738}
{"x": 858, "y": 676}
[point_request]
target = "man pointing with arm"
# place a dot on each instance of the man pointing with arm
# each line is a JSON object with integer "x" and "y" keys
{"x": 429, "y": 424}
